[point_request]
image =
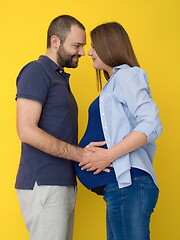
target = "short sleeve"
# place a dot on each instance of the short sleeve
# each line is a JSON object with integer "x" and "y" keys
{"x": 33, "y": 82}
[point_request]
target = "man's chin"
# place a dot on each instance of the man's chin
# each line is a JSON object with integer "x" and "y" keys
{"x": 74, "y": 65}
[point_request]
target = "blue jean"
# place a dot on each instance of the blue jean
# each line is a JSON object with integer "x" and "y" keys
{"x": 128, "y": 210}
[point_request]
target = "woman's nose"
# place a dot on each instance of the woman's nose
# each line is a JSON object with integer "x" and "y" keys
{"x": 90, "y": 52}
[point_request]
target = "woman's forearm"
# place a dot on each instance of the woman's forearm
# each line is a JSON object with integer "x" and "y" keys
{"x": 130, "y": 143}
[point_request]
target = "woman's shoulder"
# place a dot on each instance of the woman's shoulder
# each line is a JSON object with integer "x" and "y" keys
{"x": 126, "y": 74}
{"x": 128, "y": 70}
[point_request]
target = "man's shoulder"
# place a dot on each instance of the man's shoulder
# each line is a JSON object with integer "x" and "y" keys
{"x": 32, "y": 67}
{"x": 34, "y": 72}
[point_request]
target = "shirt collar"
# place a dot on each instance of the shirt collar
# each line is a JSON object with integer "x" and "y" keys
{"x": 115, "y": 69}
{"x": 51, "y": 63}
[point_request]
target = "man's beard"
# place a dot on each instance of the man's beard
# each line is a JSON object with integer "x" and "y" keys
{"x": 65, "y": 59}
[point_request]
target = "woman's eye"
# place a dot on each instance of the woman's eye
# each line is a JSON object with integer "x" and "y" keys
{"x": 92, "y": 46}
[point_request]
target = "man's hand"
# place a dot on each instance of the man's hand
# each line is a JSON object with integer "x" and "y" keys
{"x": 102, "y": 158}
{"x": 99, "y": 160}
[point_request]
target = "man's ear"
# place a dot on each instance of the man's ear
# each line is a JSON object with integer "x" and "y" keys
{"x": 55, "y": 42}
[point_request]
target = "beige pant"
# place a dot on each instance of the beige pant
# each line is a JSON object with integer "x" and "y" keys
{"x": 48, "y": 211}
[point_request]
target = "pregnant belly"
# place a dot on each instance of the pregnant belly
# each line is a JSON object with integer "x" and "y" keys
{"x": 91, "y": 180}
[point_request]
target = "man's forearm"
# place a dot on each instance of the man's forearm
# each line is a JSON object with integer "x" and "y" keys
{"x": 45, "y": 142}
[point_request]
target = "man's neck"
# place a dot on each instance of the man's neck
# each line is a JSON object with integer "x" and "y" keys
{"x": 50, "y": 54}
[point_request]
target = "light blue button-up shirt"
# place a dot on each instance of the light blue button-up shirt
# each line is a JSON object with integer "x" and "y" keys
{"x": 126, "y": 105}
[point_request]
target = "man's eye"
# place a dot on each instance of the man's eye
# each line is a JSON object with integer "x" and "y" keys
{"x": 76, "y": 46}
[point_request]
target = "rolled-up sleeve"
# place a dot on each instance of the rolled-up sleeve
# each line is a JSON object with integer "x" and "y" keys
{"x": 137, "y": 97}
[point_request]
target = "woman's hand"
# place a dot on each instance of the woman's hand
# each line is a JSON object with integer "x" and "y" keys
{"x": 96, "y": 144}
{"x": 100, "y": 159}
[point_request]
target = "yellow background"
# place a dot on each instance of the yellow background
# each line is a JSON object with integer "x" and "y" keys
{"x": 153, "y": 26}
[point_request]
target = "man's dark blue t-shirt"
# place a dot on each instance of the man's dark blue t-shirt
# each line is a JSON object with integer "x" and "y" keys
{"x": 45, "y": 82}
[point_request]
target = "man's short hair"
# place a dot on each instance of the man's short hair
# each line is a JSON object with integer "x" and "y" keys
{"x": 60, "y": 26}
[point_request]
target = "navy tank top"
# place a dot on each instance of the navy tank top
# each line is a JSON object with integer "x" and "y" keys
{"x": 94, "y": 133}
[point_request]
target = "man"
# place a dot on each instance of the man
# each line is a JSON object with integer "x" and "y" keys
{"x": 47, "y": 127}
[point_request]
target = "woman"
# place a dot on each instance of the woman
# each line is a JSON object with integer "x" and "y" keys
{"x": 125, "y": 116}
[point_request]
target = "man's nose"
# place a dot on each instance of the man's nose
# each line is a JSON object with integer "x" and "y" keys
{"x": 81, "y": 51}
